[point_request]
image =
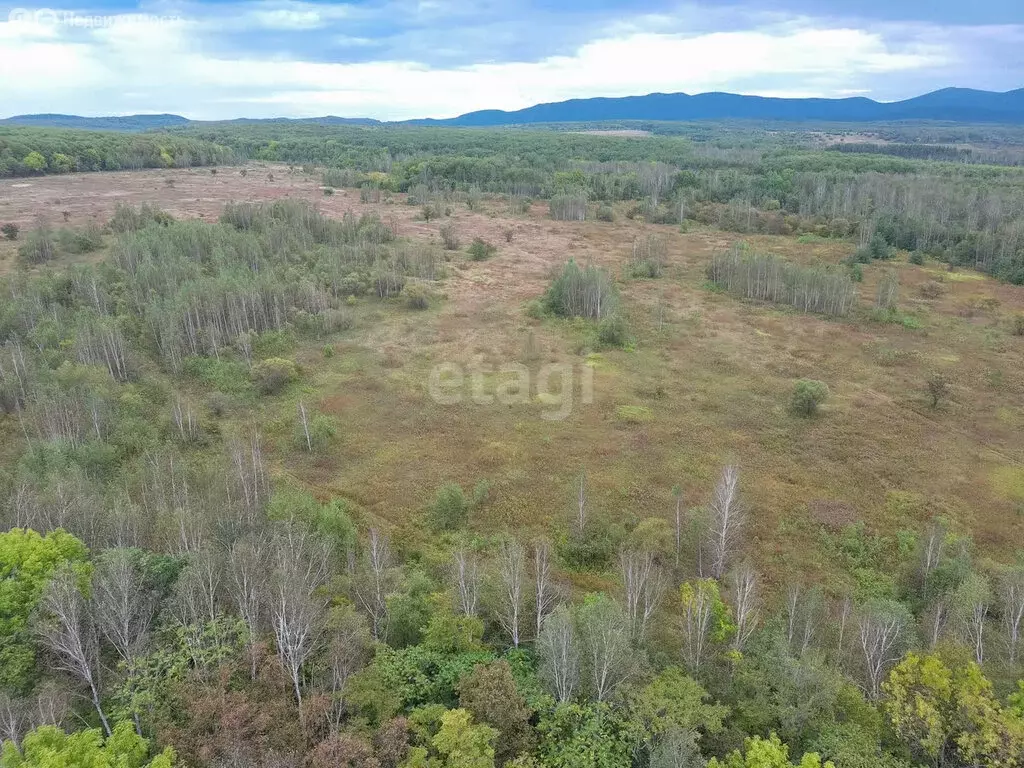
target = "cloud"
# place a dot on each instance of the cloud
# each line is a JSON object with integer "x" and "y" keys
{"x": 187, "y": 66}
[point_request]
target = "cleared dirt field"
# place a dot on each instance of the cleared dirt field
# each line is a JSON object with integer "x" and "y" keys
{"x": 708, "y": 379}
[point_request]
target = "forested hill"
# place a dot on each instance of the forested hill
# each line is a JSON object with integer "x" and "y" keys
{"x": 948, "y": 104}
{"x": 953, "y": 104}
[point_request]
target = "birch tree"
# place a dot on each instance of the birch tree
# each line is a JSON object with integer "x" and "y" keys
{"x": 559, "y": 654}
{"x": 300, "y": 568}
{"x": 726, "y": 521}
{"x": 68, "y": 631}
{"x": 511, "y": 588}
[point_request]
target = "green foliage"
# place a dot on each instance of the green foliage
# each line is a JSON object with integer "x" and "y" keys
{"x": 481, "y": 250}
{"x": 416, "y": 296}
{"x": 950, "y": 714}
{"x": 768, "y": 278}
{"x": 1017, "y": 327}
{"x": 450, "y": 509}
{"x": 10, "y": 231}
{"x": 272, "y": 375}
{"x": 586, "y": 292}
{"x": 39, "y": 247}
{"x": 49, "y": 747}
{"x": 35, "y": 162}
{"x": 459, "y": 743}
{"x": 27, "y": 563}
{"x": 605, "y": 213}
{"x": 613, "y": 331}
{"x": 490, "y": 693}
{"x": 767, "y": 753}
{"x": 584, "y": 736}
{"x": 808, "y": 395}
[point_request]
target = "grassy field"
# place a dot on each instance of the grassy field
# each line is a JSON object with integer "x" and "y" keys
{"x": 708, "y": 378}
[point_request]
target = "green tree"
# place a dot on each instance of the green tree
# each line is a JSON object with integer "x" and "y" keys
{"x": 808, "y": 395}
{"x": 489, "y": 692}
{"x": 458, "y": 743}
{"x": 27, "y": 563}
{"x": 50, "y": 747}
{"x": 585, "y": 736}
{"x": 34, "y": 161}
{"x": 767, "y": 753}
{"x": 950, "y": 716}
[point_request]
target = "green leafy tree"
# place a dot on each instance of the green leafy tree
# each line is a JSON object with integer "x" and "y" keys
{"x": 585, "y": 736}
{"x": 767, "y": 753}
{"x": 50, "y": 747}
{"x": 34, "y": 161}
{"x": 28, "y": 561}
{"x": 458, "y": 743}
{"x": 950, "y": 716}
{"x": 489, "y": 692}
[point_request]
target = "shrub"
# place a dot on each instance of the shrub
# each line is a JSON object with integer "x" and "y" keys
{"x": 916, "y": 257}
{"x": 931, "y": 290}
{"x": 449, "y": 237}
{"x": 857, "y": 273}
{"x": 509, "y": 234}
{"x": 586, "y": 292}
{"x": 328, "y": 191}
{"x": 77, "y": 241}
{"x": 605, "y": 213}
{"x": 808, "y": 394}
{"x": 480, "y": 250}
{"x": 450, "y": 509}
{"x": 10, "y": 231}
{"x": 274, "y": 374}
{"x": 1018, "y": 324}
{"x": 888, "y": 291}
{"x": 938, "y": 388}
{"x": 648, "y": 259}
{"x": 39, "y": 247}
{"x": 416, "y": 296}
{"x": 431, "y": 210}
{"x": 129, "y": 219}
{"x": 613, "y": 332}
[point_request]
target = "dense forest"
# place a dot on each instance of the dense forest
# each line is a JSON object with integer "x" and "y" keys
{"x": 34, "y": 151}
{"x": 962, "y": 205}
{"x": 168, "y": 598}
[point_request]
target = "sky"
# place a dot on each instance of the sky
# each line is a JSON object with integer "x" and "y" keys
{"x": 400, "y": 59}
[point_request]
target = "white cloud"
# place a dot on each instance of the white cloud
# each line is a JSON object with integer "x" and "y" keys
{"x": 173, "y": 66}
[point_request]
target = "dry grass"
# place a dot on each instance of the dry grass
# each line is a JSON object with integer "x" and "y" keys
{"x": 710, "y": 375}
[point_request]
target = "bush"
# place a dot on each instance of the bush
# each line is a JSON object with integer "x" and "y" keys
{"x": 808, "y": 394}
{"x": 39, "y": 247}
{"x": 129, "y": 219}
{"x": 1018, "y": 324}
{"x": 648, "y": 259}
{"x": 450, "y": 509}
{"x": 931, "y": 290}
{"x": 76, "y": 241}
{"x": 449, "y": 237}
{"x": 938, "y": 388}
{"x": 613, "y": 332}
{"x": 605, "y": 213}
{"x": 480, "y": 250}
{"x": 857, "y": 273}
{"x": 10, "y": 231}
{"x": 916, "y": 257}
{"x": 416, "y": 296}
{"x": 328, "y": 191}
{"x": 274, "y": 374}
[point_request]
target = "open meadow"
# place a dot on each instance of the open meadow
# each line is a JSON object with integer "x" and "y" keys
{"x": 572, "y": 449}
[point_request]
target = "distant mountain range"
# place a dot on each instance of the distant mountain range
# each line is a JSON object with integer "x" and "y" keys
{"x": 964, "y": 105}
